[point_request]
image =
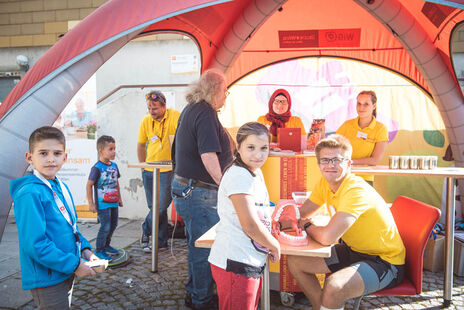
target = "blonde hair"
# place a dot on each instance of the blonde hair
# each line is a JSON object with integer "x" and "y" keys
{"x": 334, "y": 142}
{"x": 206, "y": 88}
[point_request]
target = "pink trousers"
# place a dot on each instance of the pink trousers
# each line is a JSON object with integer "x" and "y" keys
{"x": 236, "y": 291}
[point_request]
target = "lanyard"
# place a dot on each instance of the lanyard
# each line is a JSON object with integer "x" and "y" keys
{"x": 62, "y": 208}
{"x": 160, "y": 137}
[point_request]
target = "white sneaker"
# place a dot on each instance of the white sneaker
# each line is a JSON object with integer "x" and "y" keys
{"x": 144, "y": 240}
{"x": 147, "y": 249}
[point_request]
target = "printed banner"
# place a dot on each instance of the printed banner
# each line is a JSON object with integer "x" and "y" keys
{"x": 184, "y": 64}
{"x": 292, "y": 175}
{"x": 78, "y": 123}
{"x": 326, "y": 88}
{"x": 287, "y": 281}
{"x": 320, "y": 38}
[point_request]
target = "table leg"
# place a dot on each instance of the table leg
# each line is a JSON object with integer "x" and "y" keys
{"x": 449, "y": 251}
{"x": 155, "y": 221}
{"x": 265, "y": 290}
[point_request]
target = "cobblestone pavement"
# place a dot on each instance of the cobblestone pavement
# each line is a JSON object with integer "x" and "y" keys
{"x": 136, "y": 287}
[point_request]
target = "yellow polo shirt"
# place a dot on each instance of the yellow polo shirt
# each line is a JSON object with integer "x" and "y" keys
{"x": 155, "y": 134}
{"x": 374, "y": 232}
{"x": 363, "y": 140}
{"x": 293, "y": 122}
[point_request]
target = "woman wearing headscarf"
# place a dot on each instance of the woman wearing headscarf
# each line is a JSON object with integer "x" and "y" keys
{"x": 279, "y": 115}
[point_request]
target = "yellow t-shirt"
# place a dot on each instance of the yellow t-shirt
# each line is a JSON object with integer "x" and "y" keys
{"x": 156, "y": 134}
{"x": 293, "y": 122}
{"x": 374, "y": 232}
{"x": 363, "y": 140}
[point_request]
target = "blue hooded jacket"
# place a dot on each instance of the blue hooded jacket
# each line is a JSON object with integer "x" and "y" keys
{"x": 48, "y": 251}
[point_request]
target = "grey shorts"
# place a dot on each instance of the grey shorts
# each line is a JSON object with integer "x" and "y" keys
{"x": 53, "y": 297}
{"x": 376, "y": 273}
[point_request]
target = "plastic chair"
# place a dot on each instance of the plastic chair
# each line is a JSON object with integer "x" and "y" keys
{"x": 415, "y": 221}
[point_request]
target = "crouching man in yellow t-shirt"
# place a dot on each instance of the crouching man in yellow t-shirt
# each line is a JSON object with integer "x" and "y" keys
{"x": 371, "y": 254}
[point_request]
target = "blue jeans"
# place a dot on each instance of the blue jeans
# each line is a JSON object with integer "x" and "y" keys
{"x": 108, "y": 222}
{"x": 199, "y": 213}
{"x": 164, "y": 202}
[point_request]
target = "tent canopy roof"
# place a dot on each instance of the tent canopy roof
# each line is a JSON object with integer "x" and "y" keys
{"x": 295, "y": 28}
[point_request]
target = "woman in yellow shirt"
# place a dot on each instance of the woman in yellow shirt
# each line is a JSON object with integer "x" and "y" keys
{"x": 367, "y": 136}
{"x": 279, "y": 115}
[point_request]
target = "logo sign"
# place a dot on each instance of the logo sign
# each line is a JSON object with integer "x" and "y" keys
{"x": 298, "y": 38}
{"x": 320, "y": 38}
{"x": 62, "y": 208}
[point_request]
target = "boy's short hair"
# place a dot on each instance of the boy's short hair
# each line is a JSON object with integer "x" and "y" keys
{"x": 156, "y": 96}
{"x": 46, "y": 133}
{"x": 103, "y": 140}
{"x": 334, "y": 142}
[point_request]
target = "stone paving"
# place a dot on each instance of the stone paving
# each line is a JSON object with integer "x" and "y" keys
{"x": 136, "y": 287}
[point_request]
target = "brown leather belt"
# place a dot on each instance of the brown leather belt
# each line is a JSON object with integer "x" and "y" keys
{"x": 195, "y": 183}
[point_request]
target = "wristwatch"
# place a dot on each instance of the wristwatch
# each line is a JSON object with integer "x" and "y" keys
{"x": 307, "y": 225}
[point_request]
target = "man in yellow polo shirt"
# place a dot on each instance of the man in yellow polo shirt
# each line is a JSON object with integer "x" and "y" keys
{"x": 153, "y": 145}
{"x": 371, "y": 254}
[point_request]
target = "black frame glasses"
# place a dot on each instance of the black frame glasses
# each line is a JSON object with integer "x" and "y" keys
{"x": 335, "y": 161}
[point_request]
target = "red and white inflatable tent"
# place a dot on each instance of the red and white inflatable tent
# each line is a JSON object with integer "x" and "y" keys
{"x": 409, "y": 37}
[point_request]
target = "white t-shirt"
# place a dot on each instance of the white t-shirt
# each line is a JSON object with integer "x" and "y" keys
{"x": 231, "y": 242}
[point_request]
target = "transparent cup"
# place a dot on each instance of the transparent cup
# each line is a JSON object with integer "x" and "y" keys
{"x": 394, "y": 162}
{"x": 404, "y": 162}
{"x": 433, "y": 161}
{"x": 300, "y": 197}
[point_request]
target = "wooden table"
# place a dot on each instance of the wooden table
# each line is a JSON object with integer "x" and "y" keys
{"x": 450, "y": 174}
{"x": 312, "y": 249}
{"x": 156, "y": 166}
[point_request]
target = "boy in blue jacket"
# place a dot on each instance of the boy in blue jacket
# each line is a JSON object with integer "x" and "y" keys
{"x": 50, "y": 243}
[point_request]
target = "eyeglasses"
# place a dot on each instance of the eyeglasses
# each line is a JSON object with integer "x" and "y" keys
{"x": 335, "y": 161}
{"x": 280, "y": 101}
{"x": 227, "y": 93}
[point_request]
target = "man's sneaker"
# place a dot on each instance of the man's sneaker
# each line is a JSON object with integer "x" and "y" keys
{"x": 144, "y": 240}
{"x": 188, "y": 301}
{"x": 102, "y": 255}
{"x": 111, "y": 251}
{"x": 147, "y": 249}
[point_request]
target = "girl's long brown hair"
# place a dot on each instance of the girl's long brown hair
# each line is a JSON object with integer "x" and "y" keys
{"x": 247, "y": 129}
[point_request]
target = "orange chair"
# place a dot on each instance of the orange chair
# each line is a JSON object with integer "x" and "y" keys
{"x": 415, "y": 221}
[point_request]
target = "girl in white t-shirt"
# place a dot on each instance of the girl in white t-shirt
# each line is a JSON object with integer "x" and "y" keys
{"x": 243, "y": 235}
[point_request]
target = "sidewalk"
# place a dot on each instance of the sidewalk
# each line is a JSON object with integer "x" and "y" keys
{"x": 136, "y": 287}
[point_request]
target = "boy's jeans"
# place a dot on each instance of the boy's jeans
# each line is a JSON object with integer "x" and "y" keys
{"x": 164, "y": 202}
{"x": 199, "y": 213}
{"x": 108, "y": 222}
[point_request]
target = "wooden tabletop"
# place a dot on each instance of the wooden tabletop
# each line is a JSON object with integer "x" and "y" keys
{"x": 455, "y": 172}
{"x": 312, "y": 249}
{"x": 155, "y": 164}
{"x": 292, "y": 154}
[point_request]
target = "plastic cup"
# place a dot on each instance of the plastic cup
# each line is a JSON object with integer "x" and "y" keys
{"x": 393, "y": 162}
{"x": 404, "y": 162}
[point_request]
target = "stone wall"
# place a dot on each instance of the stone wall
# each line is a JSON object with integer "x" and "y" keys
{"x": 40, "y": 22}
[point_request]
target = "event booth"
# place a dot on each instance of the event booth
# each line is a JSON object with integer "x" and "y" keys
{"x": 324, "y": 52}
